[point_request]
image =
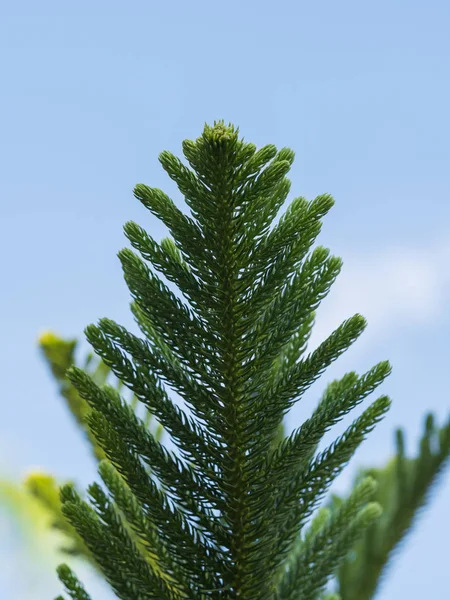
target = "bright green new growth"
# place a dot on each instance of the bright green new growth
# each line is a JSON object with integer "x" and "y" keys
{"x": 226, "y": 516}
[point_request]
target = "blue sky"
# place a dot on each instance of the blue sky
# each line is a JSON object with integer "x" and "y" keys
{"x": 93, "y": 91}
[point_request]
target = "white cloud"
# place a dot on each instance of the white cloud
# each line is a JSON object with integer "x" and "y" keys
{"x": 393, "y": 289}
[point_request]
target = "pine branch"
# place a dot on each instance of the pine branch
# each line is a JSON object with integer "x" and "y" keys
{"x": 300, "y": 494}
{"x": 404, "y": 488}
{"x": 60, "y": 356}
{"x": 339, "y": 398}
{"x": 71, "y": 583}
{"x": 219, "y": 518}
{"x": 309, "y": 566}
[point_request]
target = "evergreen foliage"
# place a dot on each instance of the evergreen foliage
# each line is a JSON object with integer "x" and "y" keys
{"x": 221, "y": 518}
{"x": 360, "y": 575}
{"x": 404, "y": 486}
{"x": 38, "y": 500}
{"x": 60, "y": 356}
